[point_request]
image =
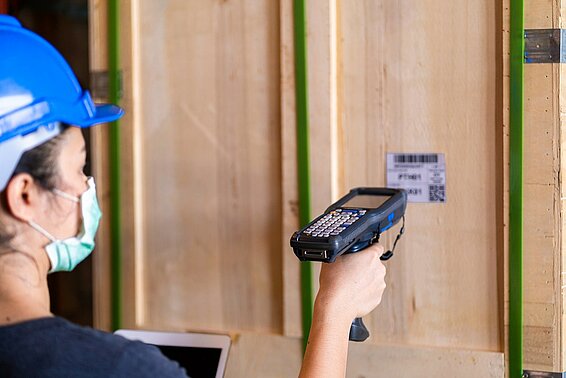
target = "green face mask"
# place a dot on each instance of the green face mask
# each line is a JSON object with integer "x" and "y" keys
{"x": 66, "y": 254}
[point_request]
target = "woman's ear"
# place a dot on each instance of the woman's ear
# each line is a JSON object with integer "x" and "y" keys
{"x": 22, "y": 197}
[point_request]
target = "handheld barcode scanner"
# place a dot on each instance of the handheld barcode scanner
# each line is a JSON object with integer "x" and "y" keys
{"x": 349, "y": 225}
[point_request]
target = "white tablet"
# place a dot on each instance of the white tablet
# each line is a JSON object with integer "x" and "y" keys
{"x": 201, "y": 355}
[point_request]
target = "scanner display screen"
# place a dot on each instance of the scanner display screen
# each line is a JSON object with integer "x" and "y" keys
{"x": 366, "y": 201}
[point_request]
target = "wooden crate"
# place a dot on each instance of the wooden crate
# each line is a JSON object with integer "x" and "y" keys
{"x": 209, "y": 171}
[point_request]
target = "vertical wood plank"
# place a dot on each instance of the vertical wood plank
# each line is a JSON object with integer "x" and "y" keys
{"x": 561, "y": 279}
{"x": 505, "y": 169}
{"x": 325, "y": 159}
{"x": 130, "y": 191}
{"x": 542, "y": 203}
{"x": 99, "y": 162}
{"x": 291, "y": 272}
{"x": 323, "y": 103}
{"x": 100, "y": 139}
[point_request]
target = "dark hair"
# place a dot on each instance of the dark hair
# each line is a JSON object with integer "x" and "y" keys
{"x": 39, "y": 163}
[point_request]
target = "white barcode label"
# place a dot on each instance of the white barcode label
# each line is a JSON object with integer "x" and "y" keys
{"x": 423, "y": 176}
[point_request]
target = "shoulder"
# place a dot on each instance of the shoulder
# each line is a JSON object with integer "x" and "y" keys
{"x": 126, "y": 357}
{"x": 64, "y": 348}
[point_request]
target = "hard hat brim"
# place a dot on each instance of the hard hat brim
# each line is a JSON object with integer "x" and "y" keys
{"x": 103, "y": 113}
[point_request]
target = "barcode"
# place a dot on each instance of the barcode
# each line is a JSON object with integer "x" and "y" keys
{"x": 436, "y": 193}
{"x": 426, "y": 158}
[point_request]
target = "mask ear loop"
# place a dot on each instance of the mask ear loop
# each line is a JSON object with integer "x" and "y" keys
{"x": 42, "y": 231}
{"x": 70, "y": 197}
{"x": 61, "y": 193}
{"x": 389, "y": 254}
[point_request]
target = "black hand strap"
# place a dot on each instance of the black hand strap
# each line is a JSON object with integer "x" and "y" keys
{"x": 389, "y": 254}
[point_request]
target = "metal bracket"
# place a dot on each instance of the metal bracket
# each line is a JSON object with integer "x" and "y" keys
{"x": 542, "y": 374}
{"x": 545, "y": 46}
{"x": 100, "y": 85}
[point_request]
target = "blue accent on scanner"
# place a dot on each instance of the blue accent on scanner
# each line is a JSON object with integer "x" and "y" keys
{"x": 390, "y": 218}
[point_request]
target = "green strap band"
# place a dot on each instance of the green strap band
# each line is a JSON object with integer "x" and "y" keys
{"x": 115, "y": 174}
{"x": 517, "y": 45}
{"x": 303, "y": 166}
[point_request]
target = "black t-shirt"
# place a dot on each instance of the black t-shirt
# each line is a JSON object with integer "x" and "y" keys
{"x": 54, "y": 347}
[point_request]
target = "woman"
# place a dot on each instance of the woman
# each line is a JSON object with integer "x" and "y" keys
{"x": 49, "y": 215}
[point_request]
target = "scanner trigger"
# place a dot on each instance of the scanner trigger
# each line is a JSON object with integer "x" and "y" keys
{"x": 372, "y": 239}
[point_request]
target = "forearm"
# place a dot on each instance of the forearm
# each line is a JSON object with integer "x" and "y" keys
{"x": 327, "y": 348}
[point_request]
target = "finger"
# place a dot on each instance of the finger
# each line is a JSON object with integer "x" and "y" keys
{"x": 377, "y": 248}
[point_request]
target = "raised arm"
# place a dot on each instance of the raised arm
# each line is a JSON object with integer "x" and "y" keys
{"x": 350, "y": 287}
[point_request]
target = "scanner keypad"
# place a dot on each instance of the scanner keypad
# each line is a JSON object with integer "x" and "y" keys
{"x": 334, "y": 223}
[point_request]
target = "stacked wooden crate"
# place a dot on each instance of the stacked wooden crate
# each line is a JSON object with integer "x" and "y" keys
{"x": 210, "y": 184}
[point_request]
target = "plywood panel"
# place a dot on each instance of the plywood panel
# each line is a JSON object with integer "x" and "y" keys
{"x": 210, "y": 111}
{"x": 421, "y": 77}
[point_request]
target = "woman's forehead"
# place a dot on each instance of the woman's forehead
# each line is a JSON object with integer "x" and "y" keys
{"x": 76, "y": 138}
{"x": 73, "y": 144}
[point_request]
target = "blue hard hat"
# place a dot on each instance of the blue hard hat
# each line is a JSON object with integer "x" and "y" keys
{"x": 38, "y": 91}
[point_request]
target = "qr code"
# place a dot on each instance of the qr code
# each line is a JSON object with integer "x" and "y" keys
{"x": 436, "y": 193}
